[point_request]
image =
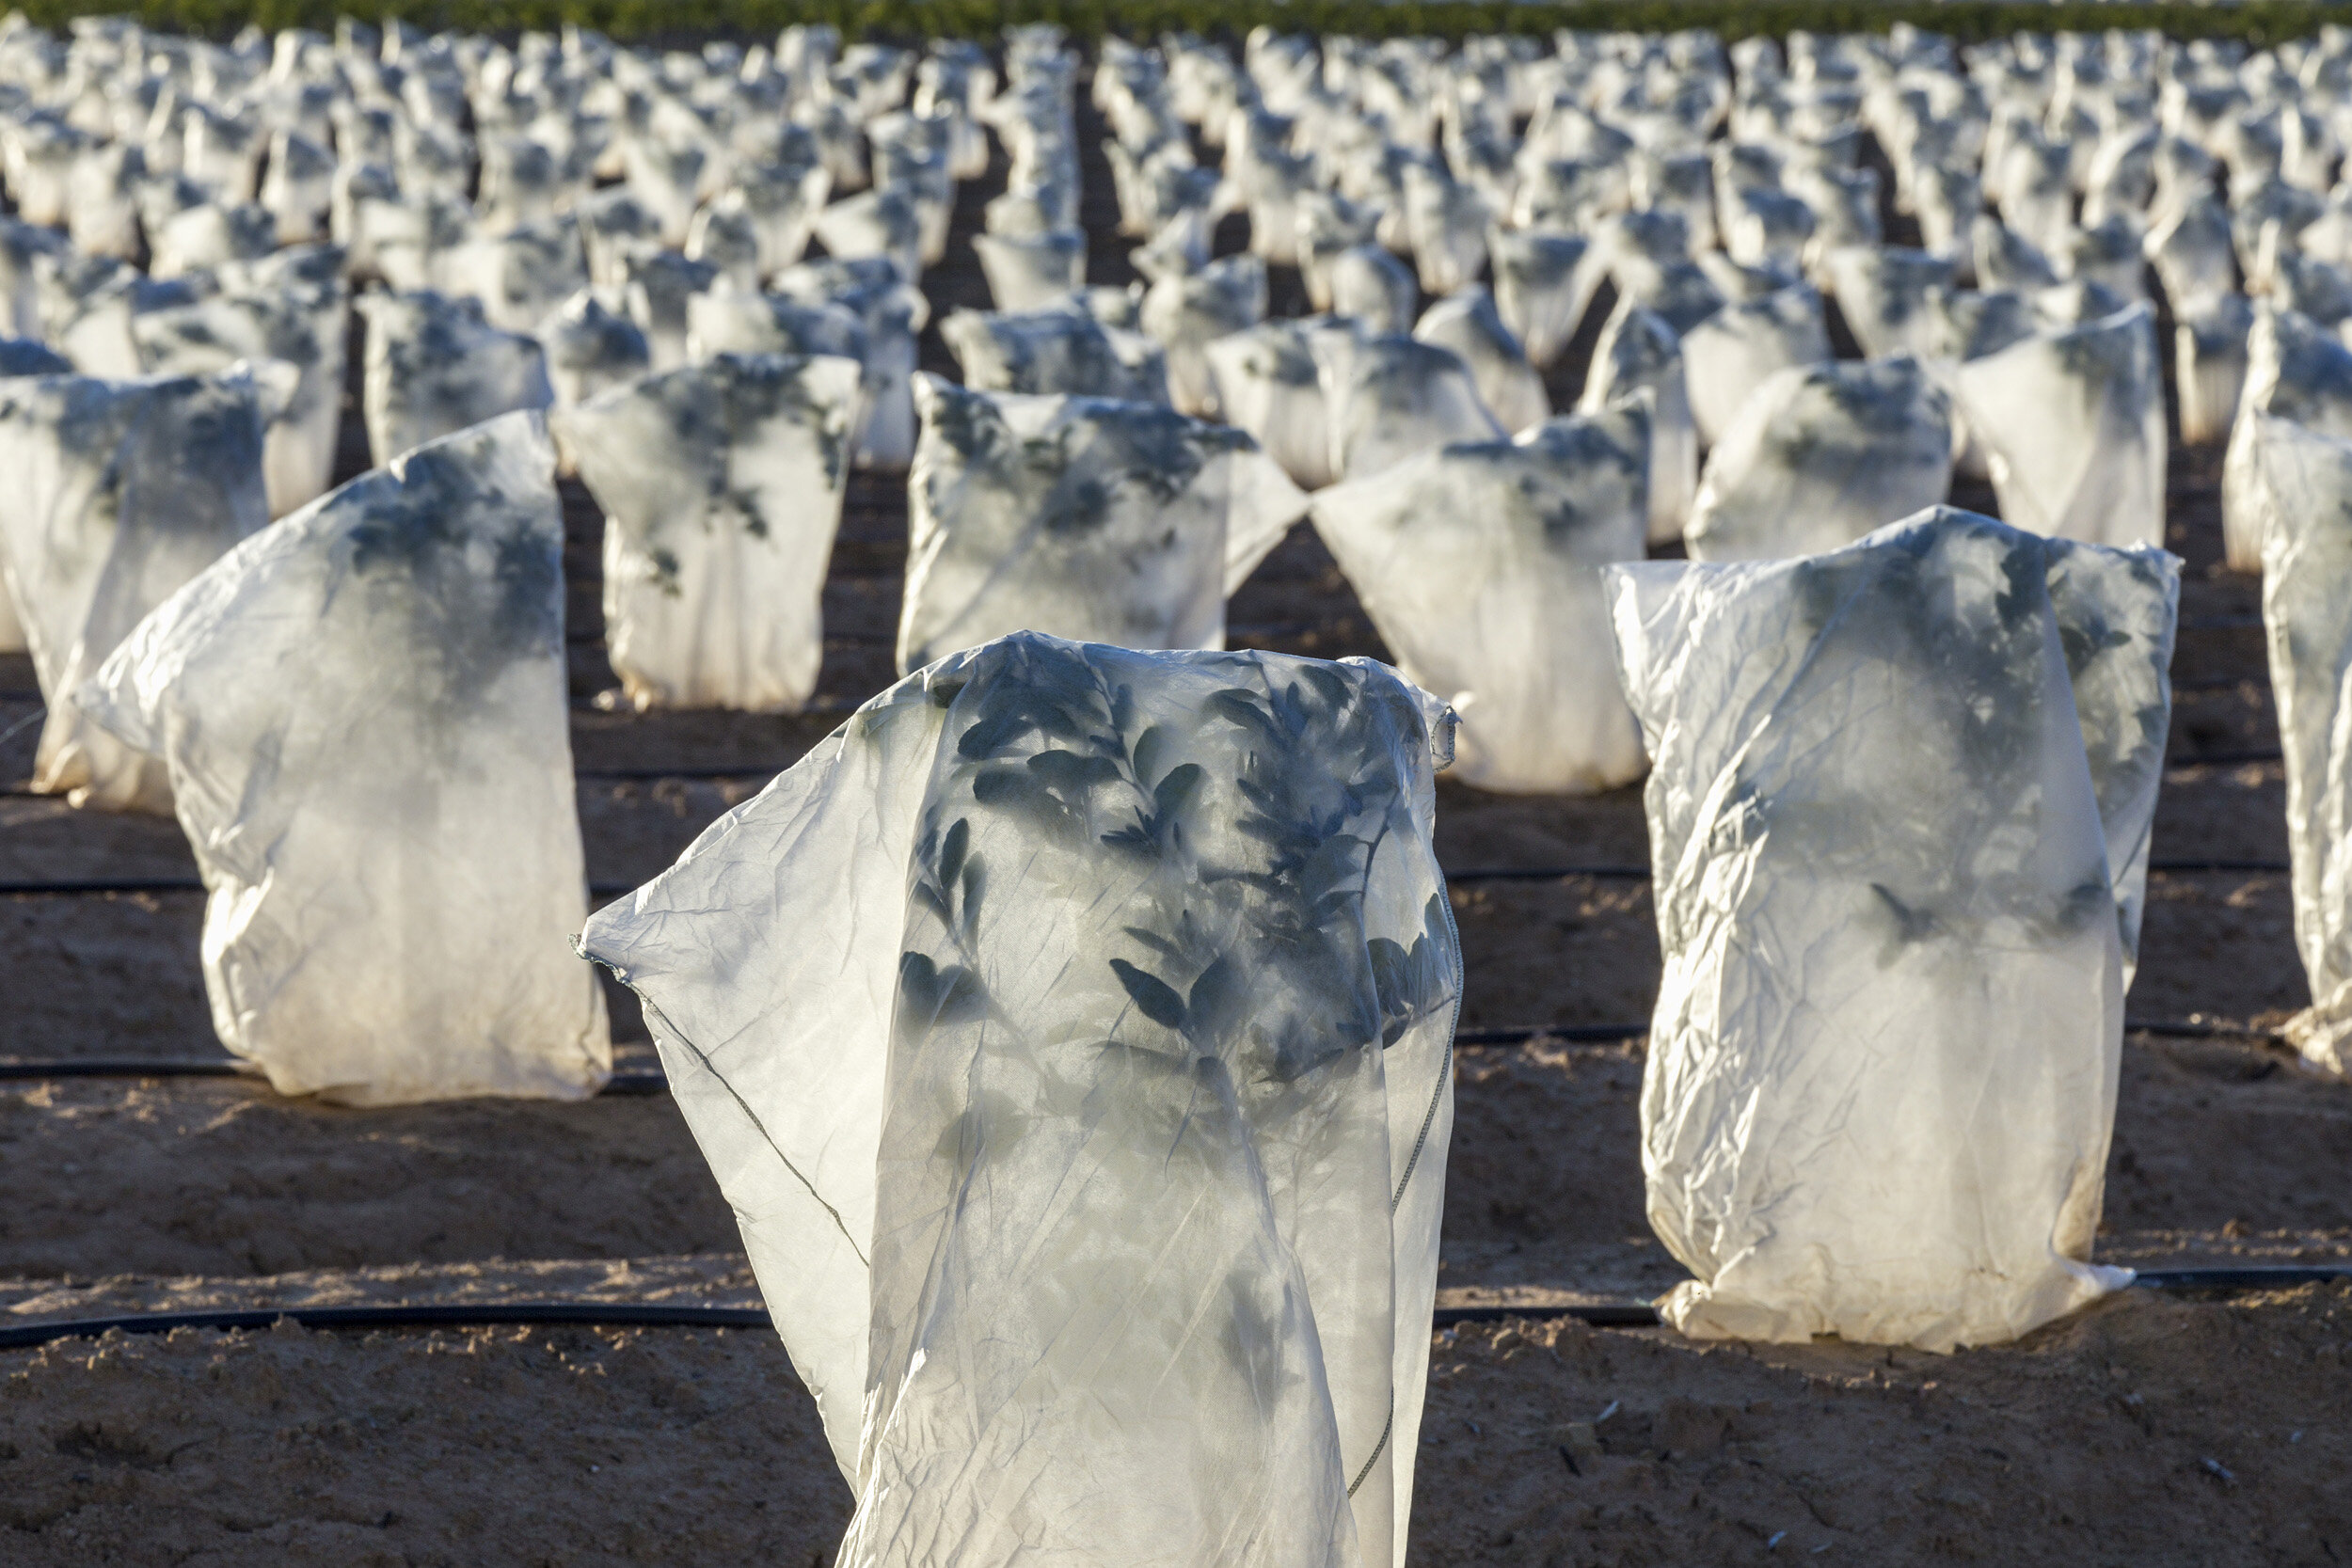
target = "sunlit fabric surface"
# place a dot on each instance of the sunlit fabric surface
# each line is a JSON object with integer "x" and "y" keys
{"x": 1071, "y": 1031}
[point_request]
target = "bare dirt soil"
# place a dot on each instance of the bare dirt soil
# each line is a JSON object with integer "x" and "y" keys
{"x": 2148, "y": 1430}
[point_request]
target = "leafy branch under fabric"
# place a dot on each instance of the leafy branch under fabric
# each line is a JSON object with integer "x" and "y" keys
{"x": 1234, "y": 837}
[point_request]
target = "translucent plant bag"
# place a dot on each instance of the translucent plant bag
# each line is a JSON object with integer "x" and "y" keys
{"x": 1032, "y": 273}
{"x": 1883, "y": 295}
{"x": 590, "y": 349}
{"x": 1057, "y": 351}
{"x": 1543, "y": 284}
{"x": 2073, "y": 427}
{"x": 1468, "y": 323}
{"x": 875, "y": 223}
{"x": 2209, "y": 366}
{"x": 1184, "y": 315}
{"x": 364, "y": 715}
{"x": 119, "y": 491}
{"x": 434, "y": 367}
{"x": 1123, "y": 523}
{"x": 1898, "y": 806}
{"x": 1639, "y": 351}
{"x": 1269, "y": 385}
{"x": 1370, "y": 285}
{"x": 1126, "y": 1256}
{"x": 2299, "y": 481}
{"x": 1821, "y": 456}
{"x": 1389, "y": 397}
{"x": 295, "y": 325}
{"x": 1480, "y": 564}
{"x": 720, "y": 484}
{"x": 1733, "y": 351}
{"x": 2295, "y": 371}
{"x": 892, "y": 313}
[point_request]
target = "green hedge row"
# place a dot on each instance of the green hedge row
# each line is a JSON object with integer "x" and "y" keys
{"x": 2258, "y": 22}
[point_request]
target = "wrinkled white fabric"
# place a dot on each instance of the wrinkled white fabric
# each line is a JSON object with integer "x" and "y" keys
{"x": 1480, "y": 565}
{"x": 720, "y": 484}
{"x": 2073, "y": 427}
{"x": 1467, "y": 323}
{"x": 1821, "y": 456}
{"x": 434, "y": 367}
{"x": 2294, "y": 371}
{"x": 1639, "y": 351}
{"x": 363, "y": 710}
{"x": 1125, "y": 523}
{"x": 1064, "y": 350}
{"x": 1895, "y": 796}
{"x": 118, "y": 492}
{"x": 1125, "y": 1256}
{"x": 1544, "y": 284}
{"x": 1035, "y": 272}
{"x": 1269, "y": 385}
{"x": 1733, "y": 351}
{"x": 1184, "y": 315}
{"x": 2297, "y": 483}
{"x": 1389, "y": 396}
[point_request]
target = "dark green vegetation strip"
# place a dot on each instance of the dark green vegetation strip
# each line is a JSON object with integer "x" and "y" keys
{"x": 2258, "y": 21}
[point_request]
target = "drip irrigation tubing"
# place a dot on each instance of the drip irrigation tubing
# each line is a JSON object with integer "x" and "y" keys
{"x": 589, "y": 1314}
{"x": 98, "y": 885}
{"x": 651, "y": 1081}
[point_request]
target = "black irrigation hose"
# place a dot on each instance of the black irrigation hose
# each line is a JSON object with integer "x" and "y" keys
{"x": 651, "y": 1081}
{"x": 534, "y": 1314}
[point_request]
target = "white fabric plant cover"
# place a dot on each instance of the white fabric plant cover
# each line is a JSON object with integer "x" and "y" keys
{"x": 1883, "y": 295}
{"x": 1370, "y": 285}
{"x": 591, "y": 348}
{"x": 892, "y": 313}
{"x": 1480, "y": 564}
{"x": 118, "y": 492}
{"x": 1467, "y": 322}
{"x": 1055, "y": 351}
{"x": 519, "y": 277}
{"x": 1033, "y": 272}
{"x": 1184, "y": 315}
{"x": 2072, "y": 428}
{"x": 1639, "y": 351}
{"x": 720, "y": 484}
{"x": 1899, "y": 860}
{"x": 434, "y": 367}
{"x": 1126, "y": 1256}
{"x": 1388, "y": 396}
{"x": 2298, "y": 482}
{"x": 1544, "y": 284}
{"x": 1821, "y": 456}
{"x": 1733, "y": 351}
{"x": 2297, "y": 372}
{"x": 1269, "y": 385}
{"x": 1123, "y": 523}
{"x": 298, "y": 325}
{"x": 363, "y": 710}
{"x": 875, "y": 223}
{"x": 2209, "y": 366}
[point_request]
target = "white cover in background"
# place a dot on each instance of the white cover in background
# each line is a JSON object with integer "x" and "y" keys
{"x": 1032, "y": 272}
{"x": 591, "y": 348}
{"x": 1821, "y": 456}
{"x": 1186, "y": 314}
{"x": 1467, "y": 322}
{"x": 1123, "y": 523}
{"x": 1640, "y": 352}
{"x": 433, "y": 367}
{"x": 1063, "y": 350}
{"x": 1885, "y": 829}
{"x": 1480, "y": 565}
{"x": 2072, "y": 424}
{"x": 720, "y": 484}
{"x": 1269, "y": 385}
{"x": 1125, "y": 1256}
{"x": 364, "y": 712}
{"x": 1883, "y": 295}
{"x": 2295, "y": 371}
{"x": 1730, "y": 354}
{"x": 117, "y": 492}
{"x": 2209, "y": 366}
{"x": 2297, "y": 483}
{"x": 1388, "y": 396}
{"x": 301, "y": 327}
{"x": 1544, "y": 282}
